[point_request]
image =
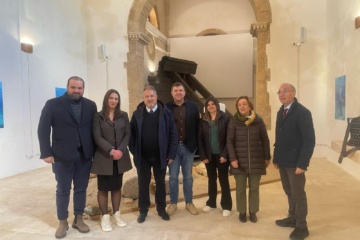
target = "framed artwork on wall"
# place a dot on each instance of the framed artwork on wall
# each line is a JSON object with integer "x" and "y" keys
{"x": 1, "y": 108}
{"x": 59, "y": 91}
{"x": 340, "y": 87}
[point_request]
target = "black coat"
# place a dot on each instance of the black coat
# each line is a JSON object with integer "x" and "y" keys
{"x": 58, "y": 120}
{"x": 204, "y": 137}
{"x": 249, "y": 145}
{"x": 294, "y": 138}
{"x": 168, "y": 138}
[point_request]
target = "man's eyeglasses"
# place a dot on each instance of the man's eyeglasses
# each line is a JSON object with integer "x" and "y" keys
{"x": 283, "y": 92}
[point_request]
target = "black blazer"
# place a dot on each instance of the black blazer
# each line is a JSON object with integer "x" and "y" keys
{"x": 192, "y": 124}
{"x": 294, "y": 137}
{"x": 58, "y": 120}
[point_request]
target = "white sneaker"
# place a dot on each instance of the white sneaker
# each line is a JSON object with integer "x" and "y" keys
{"x": 106, "y": 223}
{"x": 208, "y": 209}
{"x": 226, "y": 213}
{"x": 118, "y": 220}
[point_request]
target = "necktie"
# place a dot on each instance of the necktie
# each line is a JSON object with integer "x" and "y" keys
{"x": 284, "y": 112}
{"x": 151, "y": 111}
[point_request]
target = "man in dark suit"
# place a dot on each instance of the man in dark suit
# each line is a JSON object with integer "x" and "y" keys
{"x": 68, "y": 120}
{"x": 186, "y": 115}
{"x": 153, "y": 143}
{"x": 294, "y": 146}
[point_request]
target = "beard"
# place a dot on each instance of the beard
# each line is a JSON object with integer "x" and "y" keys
{"x": 75, "y": 96}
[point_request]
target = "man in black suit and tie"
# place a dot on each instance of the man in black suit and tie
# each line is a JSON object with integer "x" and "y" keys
{"x": 68, "y": 120}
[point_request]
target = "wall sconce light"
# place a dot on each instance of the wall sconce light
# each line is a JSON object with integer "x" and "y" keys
{"x": 357, "y": 22}
{"x": 27, "y": 47}
{"x": 151, "y": 67}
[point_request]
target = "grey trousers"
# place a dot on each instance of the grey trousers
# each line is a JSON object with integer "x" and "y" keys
{"x": 254, "y": 199}
{"x": 294, "y": 187}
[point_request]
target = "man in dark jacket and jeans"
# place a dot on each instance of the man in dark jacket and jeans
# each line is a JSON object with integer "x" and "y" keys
{"x": 153, "y": 143}
{"x": 67, "y": 121}
{"x": 294, "y": 146}
{"x": 186, "y": 117}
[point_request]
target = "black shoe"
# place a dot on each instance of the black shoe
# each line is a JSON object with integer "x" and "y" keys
{"x": 164, "y": 215}
{"x": 142, "y": 217}
{"x": 253, "y": 217}
{"x": 242, "y": 217}
{"x": 286, "y": 222}
{"x": 299, "y": 233}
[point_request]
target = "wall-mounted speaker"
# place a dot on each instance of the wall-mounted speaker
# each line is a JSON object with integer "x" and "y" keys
{"x": 101, "y": 52}
{"x": 302, "y": 34}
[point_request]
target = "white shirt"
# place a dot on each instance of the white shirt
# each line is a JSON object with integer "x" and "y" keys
{"x": 154, "y": 109}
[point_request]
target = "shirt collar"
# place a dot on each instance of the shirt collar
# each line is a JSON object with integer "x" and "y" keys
{"x": 288, "y": 107}
{"x": 154, "y": 109}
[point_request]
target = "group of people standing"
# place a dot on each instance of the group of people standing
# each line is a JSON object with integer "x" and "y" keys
{"x": 162, "y": 136}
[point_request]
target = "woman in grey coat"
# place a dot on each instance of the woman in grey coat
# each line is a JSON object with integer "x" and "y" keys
{"x": 111, "y": 131}
{"x": 249, "y": 153}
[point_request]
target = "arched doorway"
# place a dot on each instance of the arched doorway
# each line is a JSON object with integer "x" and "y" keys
{"x": 138, "y": 40}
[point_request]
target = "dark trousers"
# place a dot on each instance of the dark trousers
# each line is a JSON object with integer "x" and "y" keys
{"x": 66, "y": 173}
{"x": 294, "y": 187}
{"x": 254, "y": 192}
{"x": 144, "y": 177}
{"x": 213, "y": 168}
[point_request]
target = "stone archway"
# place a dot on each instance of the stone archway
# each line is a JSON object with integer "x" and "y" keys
{"x": 138, "y": 40}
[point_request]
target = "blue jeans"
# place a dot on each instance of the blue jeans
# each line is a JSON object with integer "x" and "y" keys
{"x": 78, "y": 172}
{"x": 184, "y": 159}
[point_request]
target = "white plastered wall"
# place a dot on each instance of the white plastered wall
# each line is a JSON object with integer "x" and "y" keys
{"x": 106, "y": 23}
{"x": 58, "y": 35}
{"x": 331, "y": 47}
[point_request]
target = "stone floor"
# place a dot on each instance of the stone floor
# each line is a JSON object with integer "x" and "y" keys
{"x": 27, "y": 212}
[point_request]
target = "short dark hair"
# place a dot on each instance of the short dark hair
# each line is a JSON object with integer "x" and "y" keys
{"x": 77, "y": 79}
{"x": 177, "y": 84}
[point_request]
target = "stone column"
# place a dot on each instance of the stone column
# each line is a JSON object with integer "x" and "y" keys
{"x": 135, "y": 68}
{"x": 262, "y": 75}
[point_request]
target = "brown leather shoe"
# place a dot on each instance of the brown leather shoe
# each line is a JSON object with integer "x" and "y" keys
{"x": 80, "y": 225}
{"x": 62, "y": 228}
{"x": 171, "y": 209}
{"x": 191, "y": 208}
